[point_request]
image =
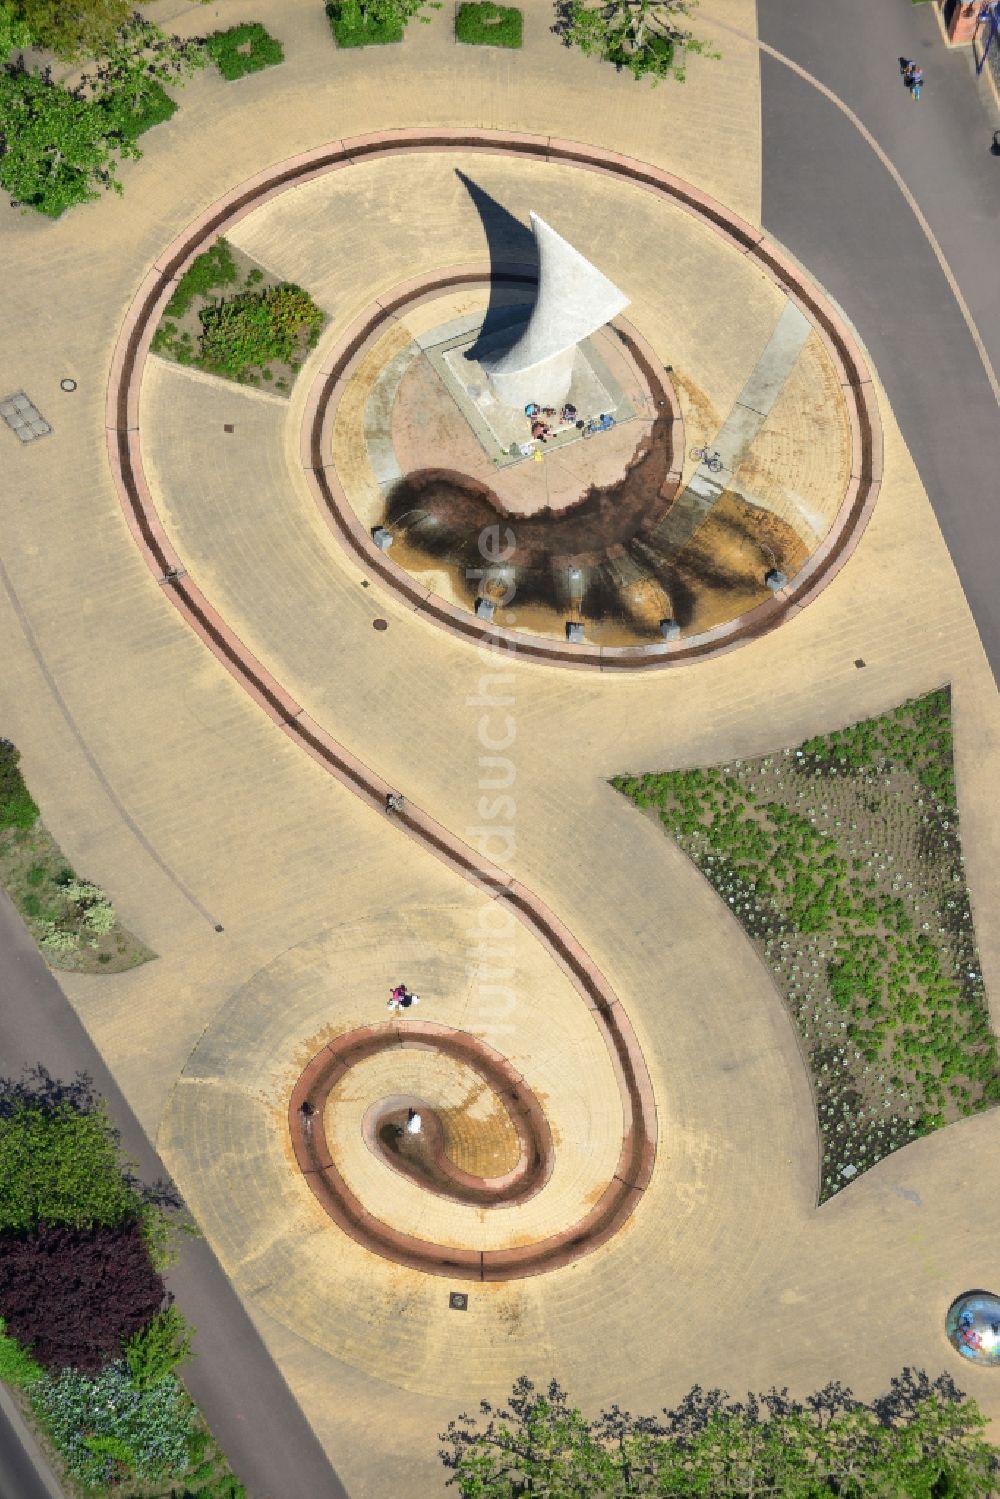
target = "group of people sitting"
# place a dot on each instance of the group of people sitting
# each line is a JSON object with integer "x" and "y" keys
{"x": 541, "y": 416}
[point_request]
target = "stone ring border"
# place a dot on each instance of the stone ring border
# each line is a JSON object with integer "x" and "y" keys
{"x": 854, "y": 378}
{"x": 312, "y": 1152}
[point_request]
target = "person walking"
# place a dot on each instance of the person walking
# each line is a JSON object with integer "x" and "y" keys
{"x": 913, "y": 77}
{"x": 402, "y": 999}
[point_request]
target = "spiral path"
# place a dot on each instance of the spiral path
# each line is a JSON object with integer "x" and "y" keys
{"x": 305, "y": 1115}
{"x": 149, "y": 759}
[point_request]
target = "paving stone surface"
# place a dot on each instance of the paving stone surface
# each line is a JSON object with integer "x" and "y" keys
{"x": 136, "y": 728}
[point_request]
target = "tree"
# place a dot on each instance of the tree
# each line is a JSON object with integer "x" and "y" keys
{"x": 642, "y": 36}
{"x": 73, "y": 29}
{"x": 57, "y": 148}
{"x": 378, "y": 15}
{"x": 922, "y": 1439}
{"x": 13, "y": 32}
{"x": 136, "y": 61}
{"x": 72, "y": 1296}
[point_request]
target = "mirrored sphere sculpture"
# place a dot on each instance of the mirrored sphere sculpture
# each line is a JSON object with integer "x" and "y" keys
{"x": 973, "y": 1326}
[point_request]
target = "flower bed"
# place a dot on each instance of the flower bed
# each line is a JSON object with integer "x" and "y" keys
{"x": 85, "y": 1338}
{"x": 843, "y": 863}
{"x": 72, "y": 920}
{"x": 258, "y": 335}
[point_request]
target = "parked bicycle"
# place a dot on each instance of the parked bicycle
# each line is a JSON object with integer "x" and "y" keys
{"x": 709, "y": 457}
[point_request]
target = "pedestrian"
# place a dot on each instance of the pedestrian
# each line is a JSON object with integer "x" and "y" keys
{"x": 402, "y": 999}
{"x": 913, "y": 76}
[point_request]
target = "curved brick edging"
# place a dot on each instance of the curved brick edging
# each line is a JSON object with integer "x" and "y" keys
{"x": 315, "y": 1160}
{"x": 849, "y": 362}
{"x": 125, "y": 458}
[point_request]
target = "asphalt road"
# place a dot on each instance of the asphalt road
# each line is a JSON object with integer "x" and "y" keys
{"x": 829, "y": 199}
{"x": 243, "y": 1397}
{"x": 24, "y": 1473}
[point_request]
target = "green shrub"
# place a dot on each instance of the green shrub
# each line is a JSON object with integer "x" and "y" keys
{"x": 17, "y": 1367}
{"x": 243, "y": 49}
{"x": 59, "y": 1164}
{"x": 57, "y": 938}
{"x": 482, "y": 23}
{"x": 246, "y": 331}
{"x": 366, "y": 23}
{"x": 153, "y": 108}
{"x": 158, "y": 1349}
{"x": 94, "y": 909}
{"x": 214, "y": 267}
{"x": 17, "y": 810}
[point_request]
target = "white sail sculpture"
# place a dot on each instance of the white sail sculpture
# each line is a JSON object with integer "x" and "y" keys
{"x": 574, "y": 300}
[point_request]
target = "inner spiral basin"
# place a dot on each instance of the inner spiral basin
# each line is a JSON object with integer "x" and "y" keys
{"x": 426, "y": 1157}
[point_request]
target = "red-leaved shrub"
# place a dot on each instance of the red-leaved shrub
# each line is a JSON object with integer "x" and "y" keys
{"x": 71, "y": 1295}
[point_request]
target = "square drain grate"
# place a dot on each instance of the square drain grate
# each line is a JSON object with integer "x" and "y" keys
{"x": 458, "y": 1301}
{"x": 23, "y": 417}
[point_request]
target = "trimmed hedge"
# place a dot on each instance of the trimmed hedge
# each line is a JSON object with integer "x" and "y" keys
{"x": 225, "y": 50}
{"x": 481, "y": 23}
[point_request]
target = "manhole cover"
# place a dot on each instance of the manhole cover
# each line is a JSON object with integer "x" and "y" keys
{"x": 380, "y": 624}
{"x": 23, "y": 417}
{"x": 67, "y": 384}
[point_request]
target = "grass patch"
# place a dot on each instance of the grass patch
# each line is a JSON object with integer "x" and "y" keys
{"x": 243, "y": 49}
{"x": 351, "y": 29}
{"x": 72, "y": 921}
{"x": 258, "y": 335}
{"x": 843, "y": 863}
{"x": 480, "y": 23}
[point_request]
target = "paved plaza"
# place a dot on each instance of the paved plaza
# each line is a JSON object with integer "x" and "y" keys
{"x": 216, "y": 755}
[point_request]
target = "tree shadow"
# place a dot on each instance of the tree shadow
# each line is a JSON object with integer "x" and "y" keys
{"x": 513, "y": 272}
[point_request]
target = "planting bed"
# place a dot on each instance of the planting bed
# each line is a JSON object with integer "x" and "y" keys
{"x": 481, "y": 23}
{"x": 842, "y": 861}
{"x": 72, "y": 921}
{"x": 231, "y": 318}
{"x": 243, "y": 49}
